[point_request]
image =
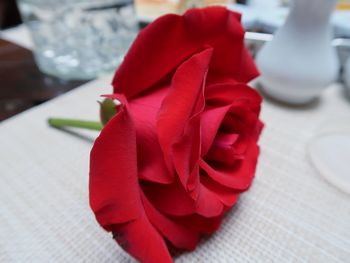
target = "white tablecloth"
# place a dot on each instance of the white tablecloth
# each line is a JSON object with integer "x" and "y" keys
{"x": 290, "y": 213}
{"x": 19, "y": 35}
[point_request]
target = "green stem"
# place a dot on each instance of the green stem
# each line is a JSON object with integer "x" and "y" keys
{"x": 61, "y": 123}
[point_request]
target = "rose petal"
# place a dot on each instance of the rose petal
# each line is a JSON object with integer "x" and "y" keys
{"x": 201, "y": 224}
{"x": 171, "y": 199}
{"x": 219, "y": 100}
{"x": 240, "y": 175}
{"x": 186, "y": 154}
{"x": 231, "y": 34}
{"x": 184, "y": 100}
{"x": 223, "y": 148}
{"x": 151, "y": 163}
{"x": 223, "y": 155}
{"x": 140, "y": 239}
{"x": 185, "y": 36}
{"x": 225, "y": 140}
{"x": 113, "y": 172}
{"x": 211, "y": 120}
{"x": 221, "y": 94}
{"x": 178, "y": 234}
{"x": 227, "y": 196}
{"x": 115, "y": 192}
{"x": 244, "y": 122}
{"x": 179, "y": 120}
{"x": 208, "y": 204}
{"x": 248, "y": 70}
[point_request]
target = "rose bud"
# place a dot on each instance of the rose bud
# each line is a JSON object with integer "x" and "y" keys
{"x": 183, "y": 145}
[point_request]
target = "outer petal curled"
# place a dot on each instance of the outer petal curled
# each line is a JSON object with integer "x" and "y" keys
{"x": 179, "y": 118}
{"x": 113, "y": 173}
{"x": 115, "y": 195}
{"x": 172, "y": 39}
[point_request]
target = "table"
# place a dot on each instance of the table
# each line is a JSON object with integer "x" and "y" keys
{"x": 23, "y": 85}
{"x": 290, "y": 214}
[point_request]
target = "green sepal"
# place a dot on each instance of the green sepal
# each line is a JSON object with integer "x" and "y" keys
{"x": 108, "y": 109}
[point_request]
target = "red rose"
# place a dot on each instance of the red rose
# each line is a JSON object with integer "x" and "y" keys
{"x": 183, "y": 145}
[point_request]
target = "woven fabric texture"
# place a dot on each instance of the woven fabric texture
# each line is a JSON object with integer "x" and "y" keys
{"x": 290, "y": 213}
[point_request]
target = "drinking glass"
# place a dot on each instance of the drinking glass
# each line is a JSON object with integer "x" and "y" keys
{"x": 79, "y": 39}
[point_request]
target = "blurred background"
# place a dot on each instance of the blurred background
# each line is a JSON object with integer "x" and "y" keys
{"x": 50, "y": 47}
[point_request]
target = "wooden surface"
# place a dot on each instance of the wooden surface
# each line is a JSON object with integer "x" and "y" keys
{"x": 9, "y": 15}
{"x": 22, "y": 85}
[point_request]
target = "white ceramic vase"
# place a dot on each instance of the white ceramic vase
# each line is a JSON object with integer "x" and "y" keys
{"x": 299, "y": 62}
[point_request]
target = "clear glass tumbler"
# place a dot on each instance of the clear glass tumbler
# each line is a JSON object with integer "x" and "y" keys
{"x": 79, "y": 39}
